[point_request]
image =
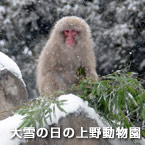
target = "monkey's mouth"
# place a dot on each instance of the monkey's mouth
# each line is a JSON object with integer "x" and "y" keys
{"x": 70, "y": 42}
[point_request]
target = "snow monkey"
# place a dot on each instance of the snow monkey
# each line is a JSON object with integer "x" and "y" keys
{"x": 68, "y": 49}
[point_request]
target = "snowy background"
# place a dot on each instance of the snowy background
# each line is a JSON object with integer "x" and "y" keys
{"x": 118, "y": 29}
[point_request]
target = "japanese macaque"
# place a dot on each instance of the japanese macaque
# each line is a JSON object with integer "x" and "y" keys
{"x": 68, "y": 49}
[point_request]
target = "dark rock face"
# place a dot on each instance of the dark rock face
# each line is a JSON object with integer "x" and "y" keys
{"x": 12, "y": 93}
{"x": 76, "y": 122}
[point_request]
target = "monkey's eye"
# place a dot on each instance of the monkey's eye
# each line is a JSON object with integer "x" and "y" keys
{"x": 66, "y": 31}
{"x": 74, "y": 32}
{"x": 70, "y": 32}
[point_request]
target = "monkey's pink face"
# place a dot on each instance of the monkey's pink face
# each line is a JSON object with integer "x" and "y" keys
{"x": 70, "y": 37}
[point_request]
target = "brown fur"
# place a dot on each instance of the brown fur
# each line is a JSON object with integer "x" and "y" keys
{"x": 58, "y": 63}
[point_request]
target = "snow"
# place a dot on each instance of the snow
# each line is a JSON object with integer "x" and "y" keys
{"x": 2, "y": 42}
{"x": 5, "y": 130}
{"x": 9, "y": 64}
{"x": 142, "y": 64}
{"x": 119, "y": 30}
{"x": 74, "y": 104}
{"x": 17, "y": 2}
{"x": 27, "y": 51}
{"x": 132, "y": 5}
{"x": 2, "y": 9}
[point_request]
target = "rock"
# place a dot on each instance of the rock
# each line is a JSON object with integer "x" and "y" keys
{"x": 12, "y": 93}
{"x": 76, "y": 122}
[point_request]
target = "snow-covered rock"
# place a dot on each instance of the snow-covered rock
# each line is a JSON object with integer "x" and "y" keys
{"x": 9, "y": 64}
{"x": 12, "y": 87}
{"x": 74, "y": 104}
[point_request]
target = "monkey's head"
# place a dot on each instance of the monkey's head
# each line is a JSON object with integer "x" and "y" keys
{"x": 71, "y": 31}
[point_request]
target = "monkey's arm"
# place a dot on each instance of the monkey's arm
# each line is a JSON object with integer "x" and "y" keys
{"x": 90, "y": 66}
{"x": 51, "y": 82}
{"x": 51, "y": 76}
{"x": 45, "y": 65}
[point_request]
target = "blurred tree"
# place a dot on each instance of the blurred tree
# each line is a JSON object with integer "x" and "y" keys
{"x": 118, "y": 29}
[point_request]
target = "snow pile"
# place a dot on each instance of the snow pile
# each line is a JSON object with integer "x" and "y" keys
{"x": 74, "y": 104}
{"x": 9, "y": 64}
{"x": 5, "y": 130}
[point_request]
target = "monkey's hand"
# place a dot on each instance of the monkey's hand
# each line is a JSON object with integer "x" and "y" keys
{"x": 93, "y": 76}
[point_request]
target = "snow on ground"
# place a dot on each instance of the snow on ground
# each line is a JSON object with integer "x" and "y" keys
{"x": 9, "y": 64}
{"x": 5, "y": 130}
{"x": 74, "y": 104}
